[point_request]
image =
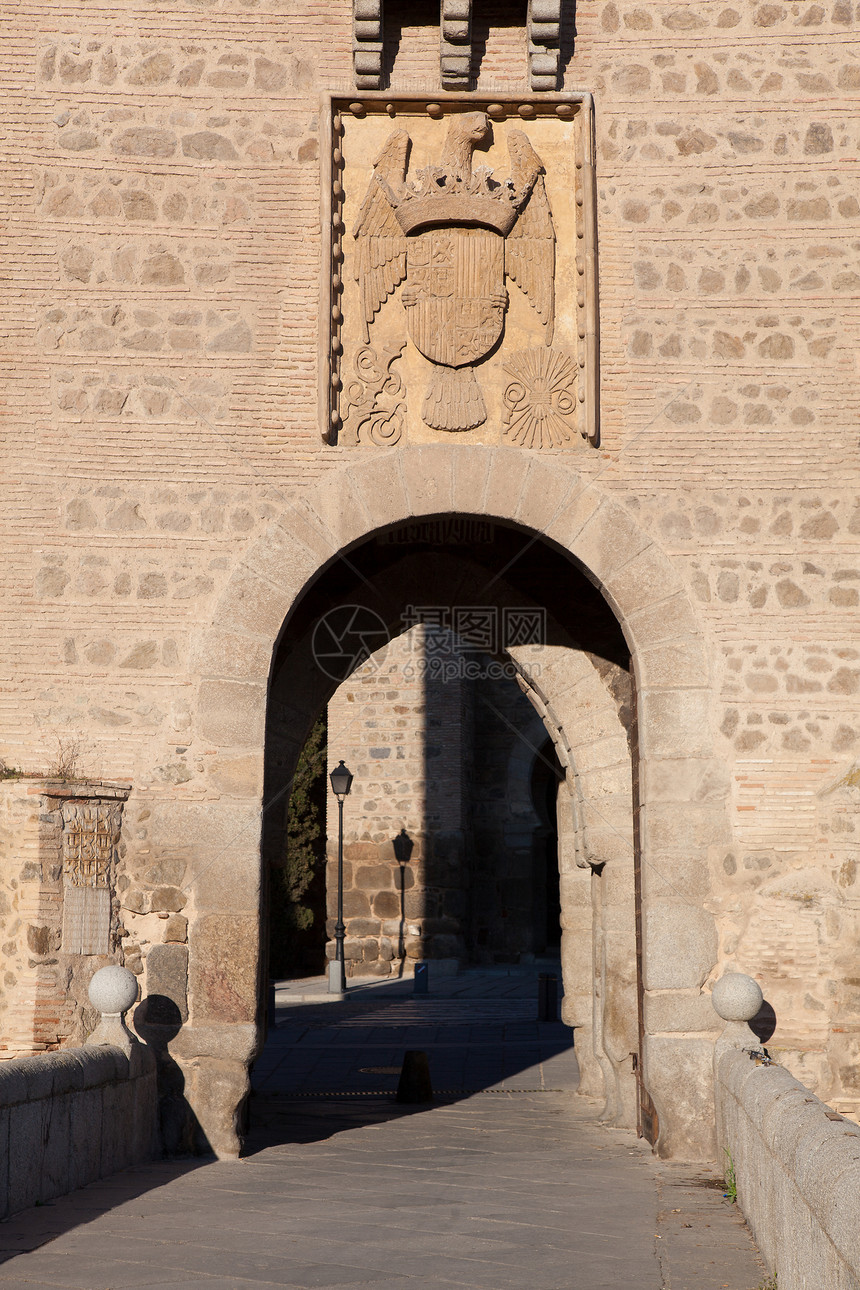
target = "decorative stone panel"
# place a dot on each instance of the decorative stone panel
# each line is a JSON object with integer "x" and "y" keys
{"x": 460, "y": 292}
{"x": 90, "y": 835}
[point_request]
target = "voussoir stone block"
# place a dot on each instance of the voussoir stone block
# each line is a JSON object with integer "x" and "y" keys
{"x": 256, "y": 604}
{"x": 661, "y": 621}
{"x": 471, "y": 470}
{"x": 231, "y": 712}
{"x": 608, "y": 539}
{"x": 568, "y": 524}
{"x": 281, "y": 559}
{"x": 428, "y": 473}
{"x": 381, "y": 489}
{"x": 544, "y": 494}
{"x": 676, "y": 663}
{"x": 505, "y": 483}
{"x": 232, "y": 655}
{"x": 649, "y": 577}
{"x": 337, "y": 512}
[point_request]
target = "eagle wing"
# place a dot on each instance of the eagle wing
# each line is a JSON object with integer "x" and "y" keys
{"x": 530, "y": 245}
{"x": 380, "y": 242}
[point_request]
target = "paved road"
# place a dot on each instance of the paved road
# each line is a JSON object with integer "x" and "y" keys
{"x": 497, "y": 1189}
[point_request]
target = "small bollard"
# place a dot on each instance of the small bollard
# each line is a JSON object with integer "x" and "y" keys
{"x": 270, "y": 1005}
{"x": 336, "y": 983}
{"x": 415, "y": 1085}
{"x": 547, "y": 997}
{"x": 421, "y": 981}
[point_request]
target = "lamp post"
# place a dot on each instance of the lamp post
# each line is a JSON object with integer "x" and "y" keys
{"x": 403, "y": 846}
{"x": 341, "y": 783}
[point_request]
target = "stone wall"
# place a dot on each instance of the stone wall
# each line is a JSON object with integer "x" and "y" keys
{"x": 797, "y": 1168}
{"x": 443, "y": 746}
{"x": 69, "y": 1118}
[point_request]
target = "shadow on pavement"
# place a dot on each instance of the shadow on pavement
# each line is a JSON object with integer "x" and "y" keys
{"x": 331, "y": 1065}
{"x": 32, "y": 1228}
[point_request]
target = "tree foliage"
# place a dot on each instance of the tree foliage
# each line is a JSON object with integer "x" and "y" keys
{"x": 297, "y": 916}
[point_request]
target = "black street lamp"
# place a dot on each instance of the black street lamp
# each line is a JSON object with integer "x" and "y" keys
{"x": 341, "y": 783}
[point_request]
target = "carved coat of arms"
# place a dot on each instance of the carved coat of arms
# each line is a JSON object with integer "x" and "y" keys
{"x": 455, "y": 232}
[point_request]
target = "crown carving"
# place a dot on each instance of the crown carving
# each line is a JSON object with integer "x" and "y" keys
{"x": 438, "y": 196}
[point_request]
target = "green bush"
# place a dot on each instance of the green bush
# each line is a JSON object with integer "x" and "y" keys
{"x": 297, "y": 888}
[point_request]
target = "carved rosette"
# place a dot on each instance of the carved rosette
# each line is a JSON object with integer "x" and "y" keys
{"x": 540, "y": 401}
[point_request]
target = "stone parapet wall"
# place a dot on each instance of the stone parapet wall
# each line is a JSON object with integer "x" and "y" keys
{"x": 69, "y": 1118}
{"x": 797, "y": 1167}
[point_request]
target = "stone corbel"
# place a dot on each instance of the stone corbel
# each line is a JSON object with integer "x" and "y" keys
{"x": 367, "y": 44}
{"x": 455, "y": 44}
{"x": 544, "y": 34}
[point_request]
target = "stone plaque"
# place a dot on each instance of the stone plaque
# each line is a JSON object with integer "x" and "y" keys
{"x": 90, "y": 834}
{"x": 460, "y": 297}
{"x": 86, "y": 920}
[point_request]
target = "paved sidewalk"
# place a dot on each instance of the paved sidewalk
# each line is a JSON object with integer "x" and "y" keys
{"x": 341, "y": 1187}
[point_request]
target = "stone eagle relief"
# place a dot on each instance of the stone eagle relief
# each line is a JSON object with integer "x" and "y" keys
{"x": 454, "y": 233}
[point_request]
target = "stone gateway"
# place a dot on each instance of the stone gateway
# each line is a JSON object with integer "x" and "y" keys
{"x": 331, "y": 317}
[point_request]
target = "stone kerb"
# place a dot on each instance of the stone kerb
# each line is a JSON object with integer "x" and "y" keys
{"x": 633, "y": 574}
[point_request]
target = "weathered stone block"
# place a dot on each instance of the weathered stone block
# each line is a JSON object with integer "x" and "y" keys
{"x": 166, "y": 996}
{"x": 222, "y": 974}
{"x": 678, "y": 1074}
{"x": 374, "y": 878}
{"x": 679, "y": 944}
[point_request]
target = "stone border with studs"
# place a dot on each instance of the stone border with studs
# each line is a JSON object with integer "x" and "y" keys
{"x": 497, "y": 107}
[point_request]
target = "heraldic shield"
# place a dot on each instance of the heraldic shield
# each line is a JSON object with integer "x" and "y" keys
{"x": 455, "y": 309}
{"x": 454, "y": 233}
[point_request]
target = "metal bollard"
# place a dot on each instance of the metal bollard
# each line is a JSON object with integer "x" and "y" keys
{"x": 421, "y": 983}
{"x": 547, "y": 997}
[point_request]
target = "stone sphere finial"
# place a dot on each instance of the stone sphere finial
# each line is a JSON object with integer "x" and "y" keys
{"x": 736, "y": 997}
{"x": 113, "y": 990}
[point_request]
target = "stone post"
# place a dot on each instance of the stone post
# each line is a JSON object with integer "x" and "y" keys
{"x": 113, "y": 990}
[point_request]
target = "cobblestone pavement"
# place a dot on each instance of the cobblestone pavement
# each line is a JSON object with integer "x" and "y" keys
{"x": 512, "y": 1187}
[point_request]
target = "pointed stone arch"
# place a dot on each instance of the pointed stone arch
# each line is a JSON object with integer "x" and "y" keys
{"x": 681, "y": 813}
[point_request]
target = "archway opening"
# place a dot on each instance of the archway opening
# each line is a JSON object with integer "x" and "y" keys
{"x": 517, "y": 602}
